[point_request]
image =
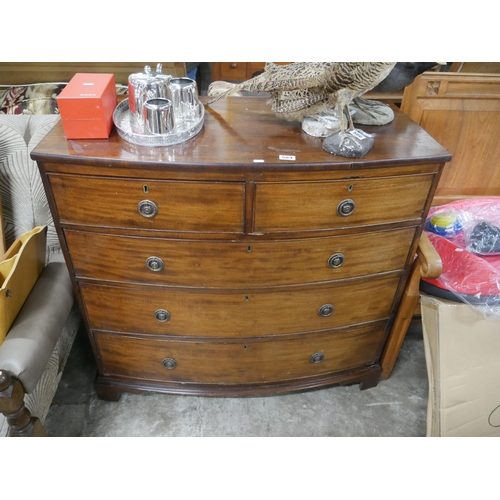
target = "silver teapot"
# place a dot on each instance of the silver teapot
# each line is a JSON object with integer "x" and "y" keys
{"x": 145, "y": 86}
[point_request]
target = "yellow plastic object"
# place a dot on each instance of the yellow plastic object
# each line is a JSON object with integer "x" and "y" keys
{"x": 23, "y": 264}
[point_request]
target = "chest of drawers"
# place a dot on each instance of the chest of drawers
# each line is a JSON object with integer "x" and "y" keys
{"x": 236, "y": 71}
{"x": 245, "y": 261}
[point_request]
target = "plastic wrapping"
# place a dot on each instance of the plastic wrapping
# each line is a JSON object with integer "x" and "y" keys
{"x": 466, "y": 235}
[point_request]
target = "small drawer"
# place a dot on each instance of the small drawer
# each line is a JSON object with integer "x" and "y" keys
{"x": 231, "y": 264}
{"x": 233, "y": 71}
{"x": 143, "y": 204}
{"x": 255, "y": 67}
{"x": 249, "y": 361}
{"x": 303, "y": 206}
{"x": 220, "y": 313}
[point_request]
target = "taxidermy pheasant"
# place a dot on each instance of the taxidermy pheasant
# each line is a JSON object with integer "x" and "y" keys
{"x": 307, "y": 89}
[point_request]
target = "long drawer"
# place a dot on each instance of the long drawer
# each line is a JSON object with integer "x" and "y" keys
{"x": 302, "y": 206}
{"x": 158, "y": 310}
{"x": 145, "y": 204}
{"x": 239, "y": 362}
{"x": 232, "y": 264}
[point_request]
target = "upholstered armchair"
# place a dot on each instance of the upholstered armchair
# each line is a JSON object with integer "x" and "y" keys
{"x": 37, "y": 345}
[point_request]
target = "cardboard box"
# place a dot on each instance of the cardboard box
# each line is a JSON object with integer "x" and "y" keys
{"x": 18, "y": 274}
{"x": 462, "y": 351}
{"x": 86, "y": 106}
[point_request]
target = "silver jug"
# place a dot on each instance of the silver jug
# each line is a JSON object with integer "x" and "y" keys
{"x": 158, "y": 116}
{"x": 145, "y": 86}
{"x": 185, "y": 102}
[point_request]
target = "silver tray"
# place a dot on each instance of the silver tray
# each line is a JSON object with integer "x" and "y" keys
{"x": 128, "y": 130}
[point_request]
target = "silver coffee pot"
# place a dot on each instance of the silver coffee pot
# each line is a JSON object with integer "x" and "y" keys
{"x": 145, "y": 86}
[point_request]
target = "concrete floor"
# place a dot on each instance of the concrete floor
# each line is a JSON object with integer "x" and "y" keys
{"x": 396, "y": 407}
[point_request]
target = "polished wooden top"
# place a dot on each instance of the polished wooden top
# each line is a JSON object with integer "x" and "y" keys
{"x": 242, "y": 133}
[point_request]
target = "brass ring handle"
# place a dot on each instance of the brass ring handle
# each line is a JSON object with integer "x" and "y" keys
{"x": 317, "y": 357}
{"x": 233, "y": 65}
{"x": 155, "y": 264}
{"x": 162, "y": 315}
{"x": 147, "y": 208}
{"x": 336, "y": 260}
{"x": 169, "y": 363}
{"x": 326, "y": 310}
{"x": 346, "y": 207}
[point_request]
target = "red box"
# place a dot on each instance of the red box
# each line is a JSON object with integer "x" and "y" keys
{"x": 86, "y": 106}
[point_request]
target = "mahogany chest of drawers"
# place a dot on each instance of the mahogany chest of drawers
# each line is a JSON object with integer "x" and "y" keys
{"x": 244, "y": 261}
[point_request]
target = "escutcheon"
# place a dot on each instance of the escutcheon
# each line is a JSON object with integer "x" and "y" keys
{"x": 317, "y": 357}
{"x": 346, "y": 207}
{"x": 326, "y": 310}
{"x": 162, "y": 315}
{"x": 155, "y": 264}
{"x": 169, "y": 363}
{"x": 336, "y": 260}
{"x": 147, "y": 208}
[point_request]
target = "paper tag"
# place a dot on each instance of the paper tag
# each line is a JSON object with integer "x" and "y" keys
{"x": 357, "y": 134}
{"x": 258, "y": 161}
{"x": 287, "y": 157}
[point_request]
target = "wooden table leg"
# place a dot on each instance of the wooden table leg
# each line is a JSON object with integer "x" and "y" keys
{"x": 21, "y": 423}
